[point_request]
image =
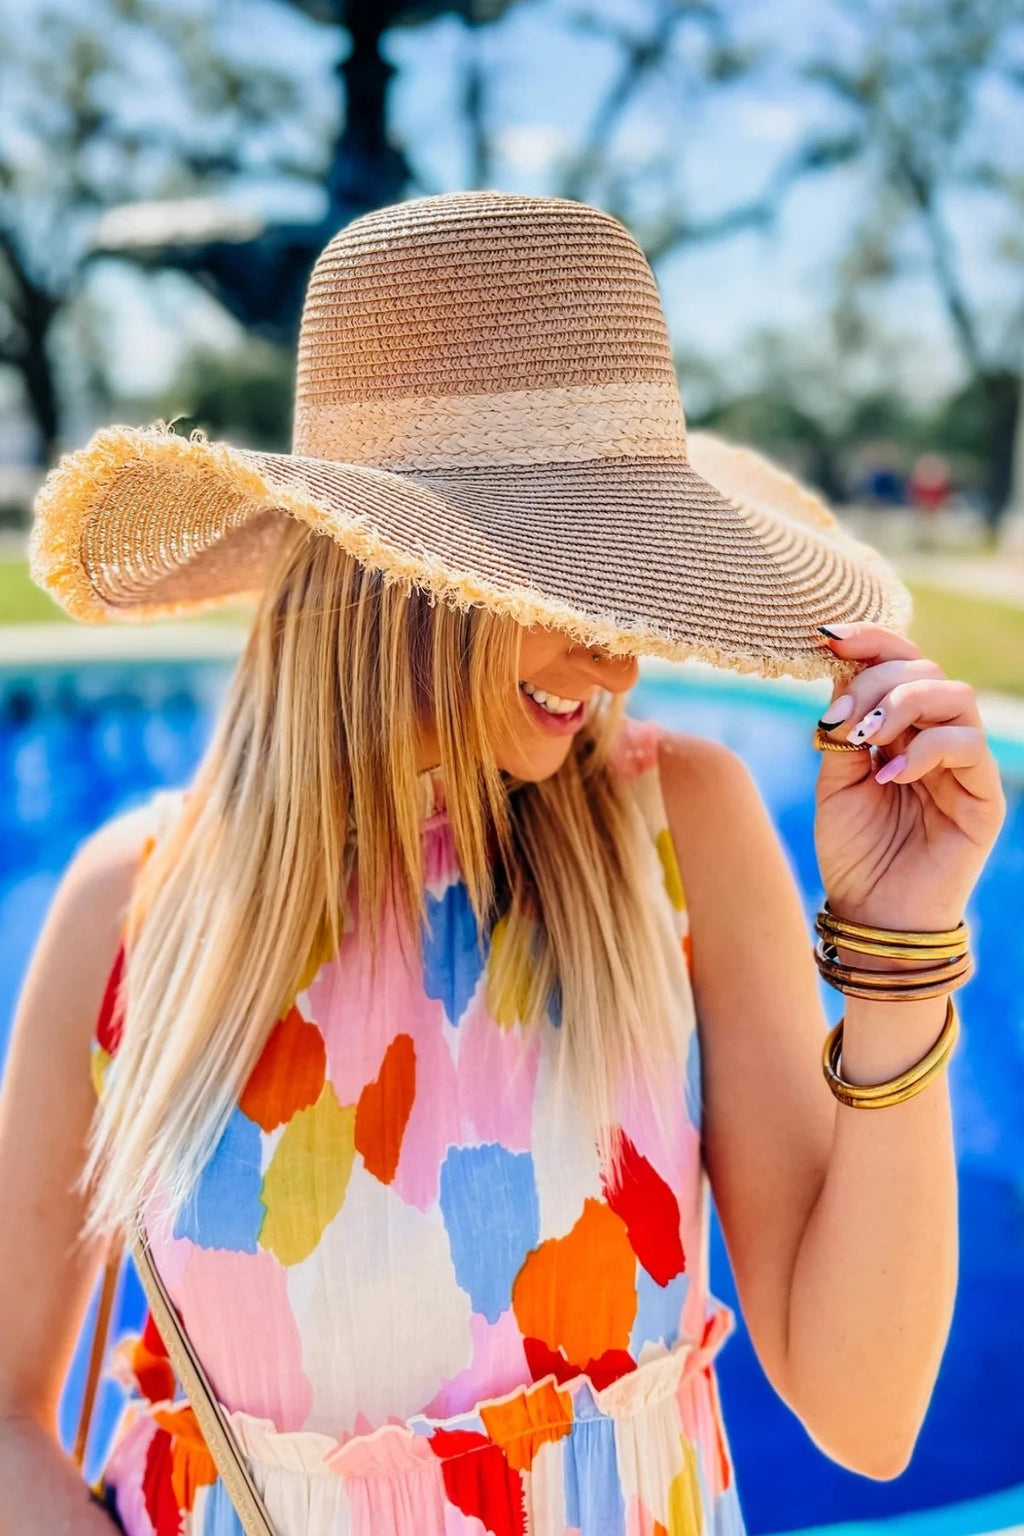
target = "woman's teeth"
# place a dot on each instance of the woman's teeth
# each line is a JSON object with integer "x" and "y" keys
{"x": 550, "y": 701}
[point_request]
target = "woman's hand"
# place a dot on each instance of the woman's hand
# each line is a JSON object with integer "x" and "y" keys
{"x": 904, "y": 853}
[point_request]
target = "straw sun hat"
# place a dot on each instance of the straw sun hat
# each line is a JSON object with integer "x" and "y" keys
{"x": 486, "y": 407}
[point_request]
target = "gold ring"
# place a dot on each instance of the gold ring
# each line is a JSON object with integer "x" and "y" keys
{"x": 823, "y": 742}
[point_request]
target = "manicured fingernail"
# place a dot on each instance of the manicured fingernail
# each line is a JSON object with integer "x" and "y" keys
{"x": 894, "y": 766}
{"x": 867, "y": 727}
{"x": 837, "y": 712}
{"x": 836, "y": 631}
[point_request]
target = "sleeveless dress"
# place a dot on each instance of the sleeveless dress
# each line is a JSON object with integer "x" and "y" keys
{"x": 424, "y": 1306}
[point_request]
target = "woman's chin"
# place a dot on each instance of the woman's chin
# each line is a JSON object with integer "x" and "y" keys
{"x": 534, "y": 761}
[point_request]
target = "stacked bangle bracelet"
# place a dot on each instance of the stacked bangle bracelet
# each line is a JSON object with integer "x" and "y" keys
{"x": 946, "y": 960}
{"x": 897, "y": 1089}
{"x": 944, "y": 964}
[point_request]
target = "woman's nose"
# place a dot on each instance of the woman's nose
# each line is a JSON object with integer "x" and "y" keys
{"x": 616, "y": 673}
{"x": 619, "y": 673}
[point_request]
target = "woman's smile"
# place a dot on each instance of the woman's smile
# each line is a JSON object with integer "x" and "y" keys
{"x": 559, "y": 715}
{"x": 557, "y": 681}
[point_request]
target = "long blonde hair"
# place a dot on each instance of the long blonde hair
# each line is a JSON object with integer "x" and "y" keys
{"x": 309, "y": 787}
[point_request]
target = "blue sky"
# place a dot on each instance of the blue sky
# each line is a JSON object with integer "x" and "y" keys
{"x": 545, "y": 79}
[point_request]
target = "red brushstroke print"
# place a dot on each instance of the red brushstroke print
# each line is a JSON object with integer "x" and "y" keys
{"x": 384, "y": 1108}
{"x": 482, "y": 1484}
{"x": 158, "y": 1486}
{"x": 110, "y": 1023}
{"x": 643, "y": 1200}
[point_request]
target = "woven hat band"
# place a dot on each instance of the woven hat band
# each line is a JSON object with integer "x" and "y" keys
{"x": 577, "y": 424}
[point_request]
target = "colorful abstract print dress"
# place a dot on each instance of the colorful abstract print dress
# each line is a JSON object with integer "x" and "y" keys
{"x": 425, "y": 1307}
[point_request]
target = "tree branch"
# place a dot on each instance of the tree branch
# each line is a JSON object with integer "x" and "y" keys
{"x": 922, "y": 192}
{"x": 760, "y": 211}
{"x": 639, "y": 55}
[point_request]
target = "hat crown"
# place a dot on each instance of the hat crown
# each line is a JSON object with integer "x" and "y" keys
{"x": 476, "y": 294}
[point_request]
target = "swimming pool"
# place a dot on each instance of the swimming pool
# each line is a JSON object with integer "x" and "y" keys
{"x": 80, "y": 741}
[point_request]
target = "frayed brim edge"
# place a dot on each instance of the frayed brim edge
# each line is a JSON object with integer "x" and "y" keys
{"x": 77, "y": 484}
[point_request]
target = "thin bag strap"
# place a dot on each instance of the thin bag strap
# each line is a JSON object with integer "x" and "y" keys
{"x": 232, "y": 1467}
{"x": 228, "y": 1457}
{"x": 98, "y": 1347}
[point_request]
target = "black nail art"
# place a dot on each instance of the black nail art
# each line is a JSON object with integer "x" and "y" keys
{"x": 826, "y": 631}
{"x": 823, "y": 725}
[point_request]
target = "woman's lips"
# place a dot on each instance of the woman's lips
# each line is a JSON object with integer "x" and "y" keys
{"x": 557, "y": 725}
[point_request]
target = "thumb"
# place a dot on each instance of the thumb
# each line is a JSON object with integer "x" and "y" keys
{"x": 841, "y": 764}
{"x": 839, "y": 769}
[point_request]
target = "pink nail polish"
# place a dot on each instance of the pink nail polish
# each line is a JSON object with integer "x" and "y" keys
{"x": 868, "y": 726}
{"x": 836, "y": 713}
{"x": 889, "y": 771}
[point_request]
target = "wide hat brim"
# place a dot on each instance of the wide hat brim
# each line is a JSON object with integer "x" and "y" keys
{"x": 737, "y": 565}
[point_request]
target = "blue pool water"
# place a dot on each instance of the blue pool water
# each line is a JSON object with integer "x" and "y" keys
{"x": 78, "y": 744}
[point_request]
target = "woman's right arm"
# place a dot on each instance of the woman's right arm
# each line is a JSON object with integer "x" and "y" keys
{"x": 46, "y": 1104}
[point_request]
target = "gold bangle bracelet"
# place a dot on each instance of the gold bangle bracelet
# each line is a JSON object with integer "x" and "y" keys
{"x": 951, "y": 971}
{"x": 893, "y": 944}
{"x": 896, "y": 994}
{"x": 961, "y": 933}
{"x": 822, "y": 742}
{"x": 897, "y": 1089}
{"x": 828, "y": 940}
{"x": 894, "y": 951}
{"x": 866, "y": 995}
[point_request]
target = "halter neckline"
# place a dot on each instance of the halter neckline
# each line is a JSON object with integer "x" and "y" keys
{"x": 432, "y": 800}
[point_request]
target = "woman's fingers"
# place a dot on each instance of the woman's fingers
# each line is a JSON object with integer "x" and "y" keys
{"x": 868, "y": 642}
{"x": 962, "y": 749}
{"x": 860, "y": 694}
{"x": 919, "y": 702}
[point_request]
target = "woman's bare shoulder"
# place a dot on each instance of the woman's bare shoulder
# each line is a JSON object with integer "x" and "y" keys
{"x": 117, "y": 843}
{"x": 99, "y": 877}
{"x": 46, "y": 1107}
{"x": 702, "y": 779}
{"x": 725, "y": 840}
{"x": 82, "y": 931}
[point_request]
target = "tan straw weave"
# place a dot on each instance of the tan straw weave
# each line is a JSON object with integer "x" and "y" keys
{"x": 486, "y": 406}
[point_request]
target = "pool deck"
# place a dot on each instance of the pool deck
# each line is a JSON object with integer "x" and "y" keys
{"x": 27, "y": 645}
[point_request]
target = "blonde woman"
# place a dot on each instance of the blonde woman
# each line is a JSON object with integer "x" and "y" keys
{"x": 424, "y": 1023}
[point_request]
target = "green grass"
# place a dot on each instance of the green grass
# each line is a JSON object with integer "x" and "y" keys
{"x": 970, "y": 637}
{"x": 21, "y": 601}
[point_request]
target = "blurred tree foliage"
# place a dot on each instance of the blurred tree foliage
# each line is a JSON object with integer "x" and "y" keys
{"x": 902, "y": 96}
{"x": 245, "y": 394}
{"x": 813, "y": 403}
{"x": 73, "y": 144}
{"x": 906, "y": 94}
{"x": 830, "y": 450}
{"x": 626, "y": 155}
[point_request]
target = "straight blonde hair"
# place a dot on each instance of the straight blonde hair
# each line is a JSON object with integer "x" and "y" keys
{"x": 309, "y": 791}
